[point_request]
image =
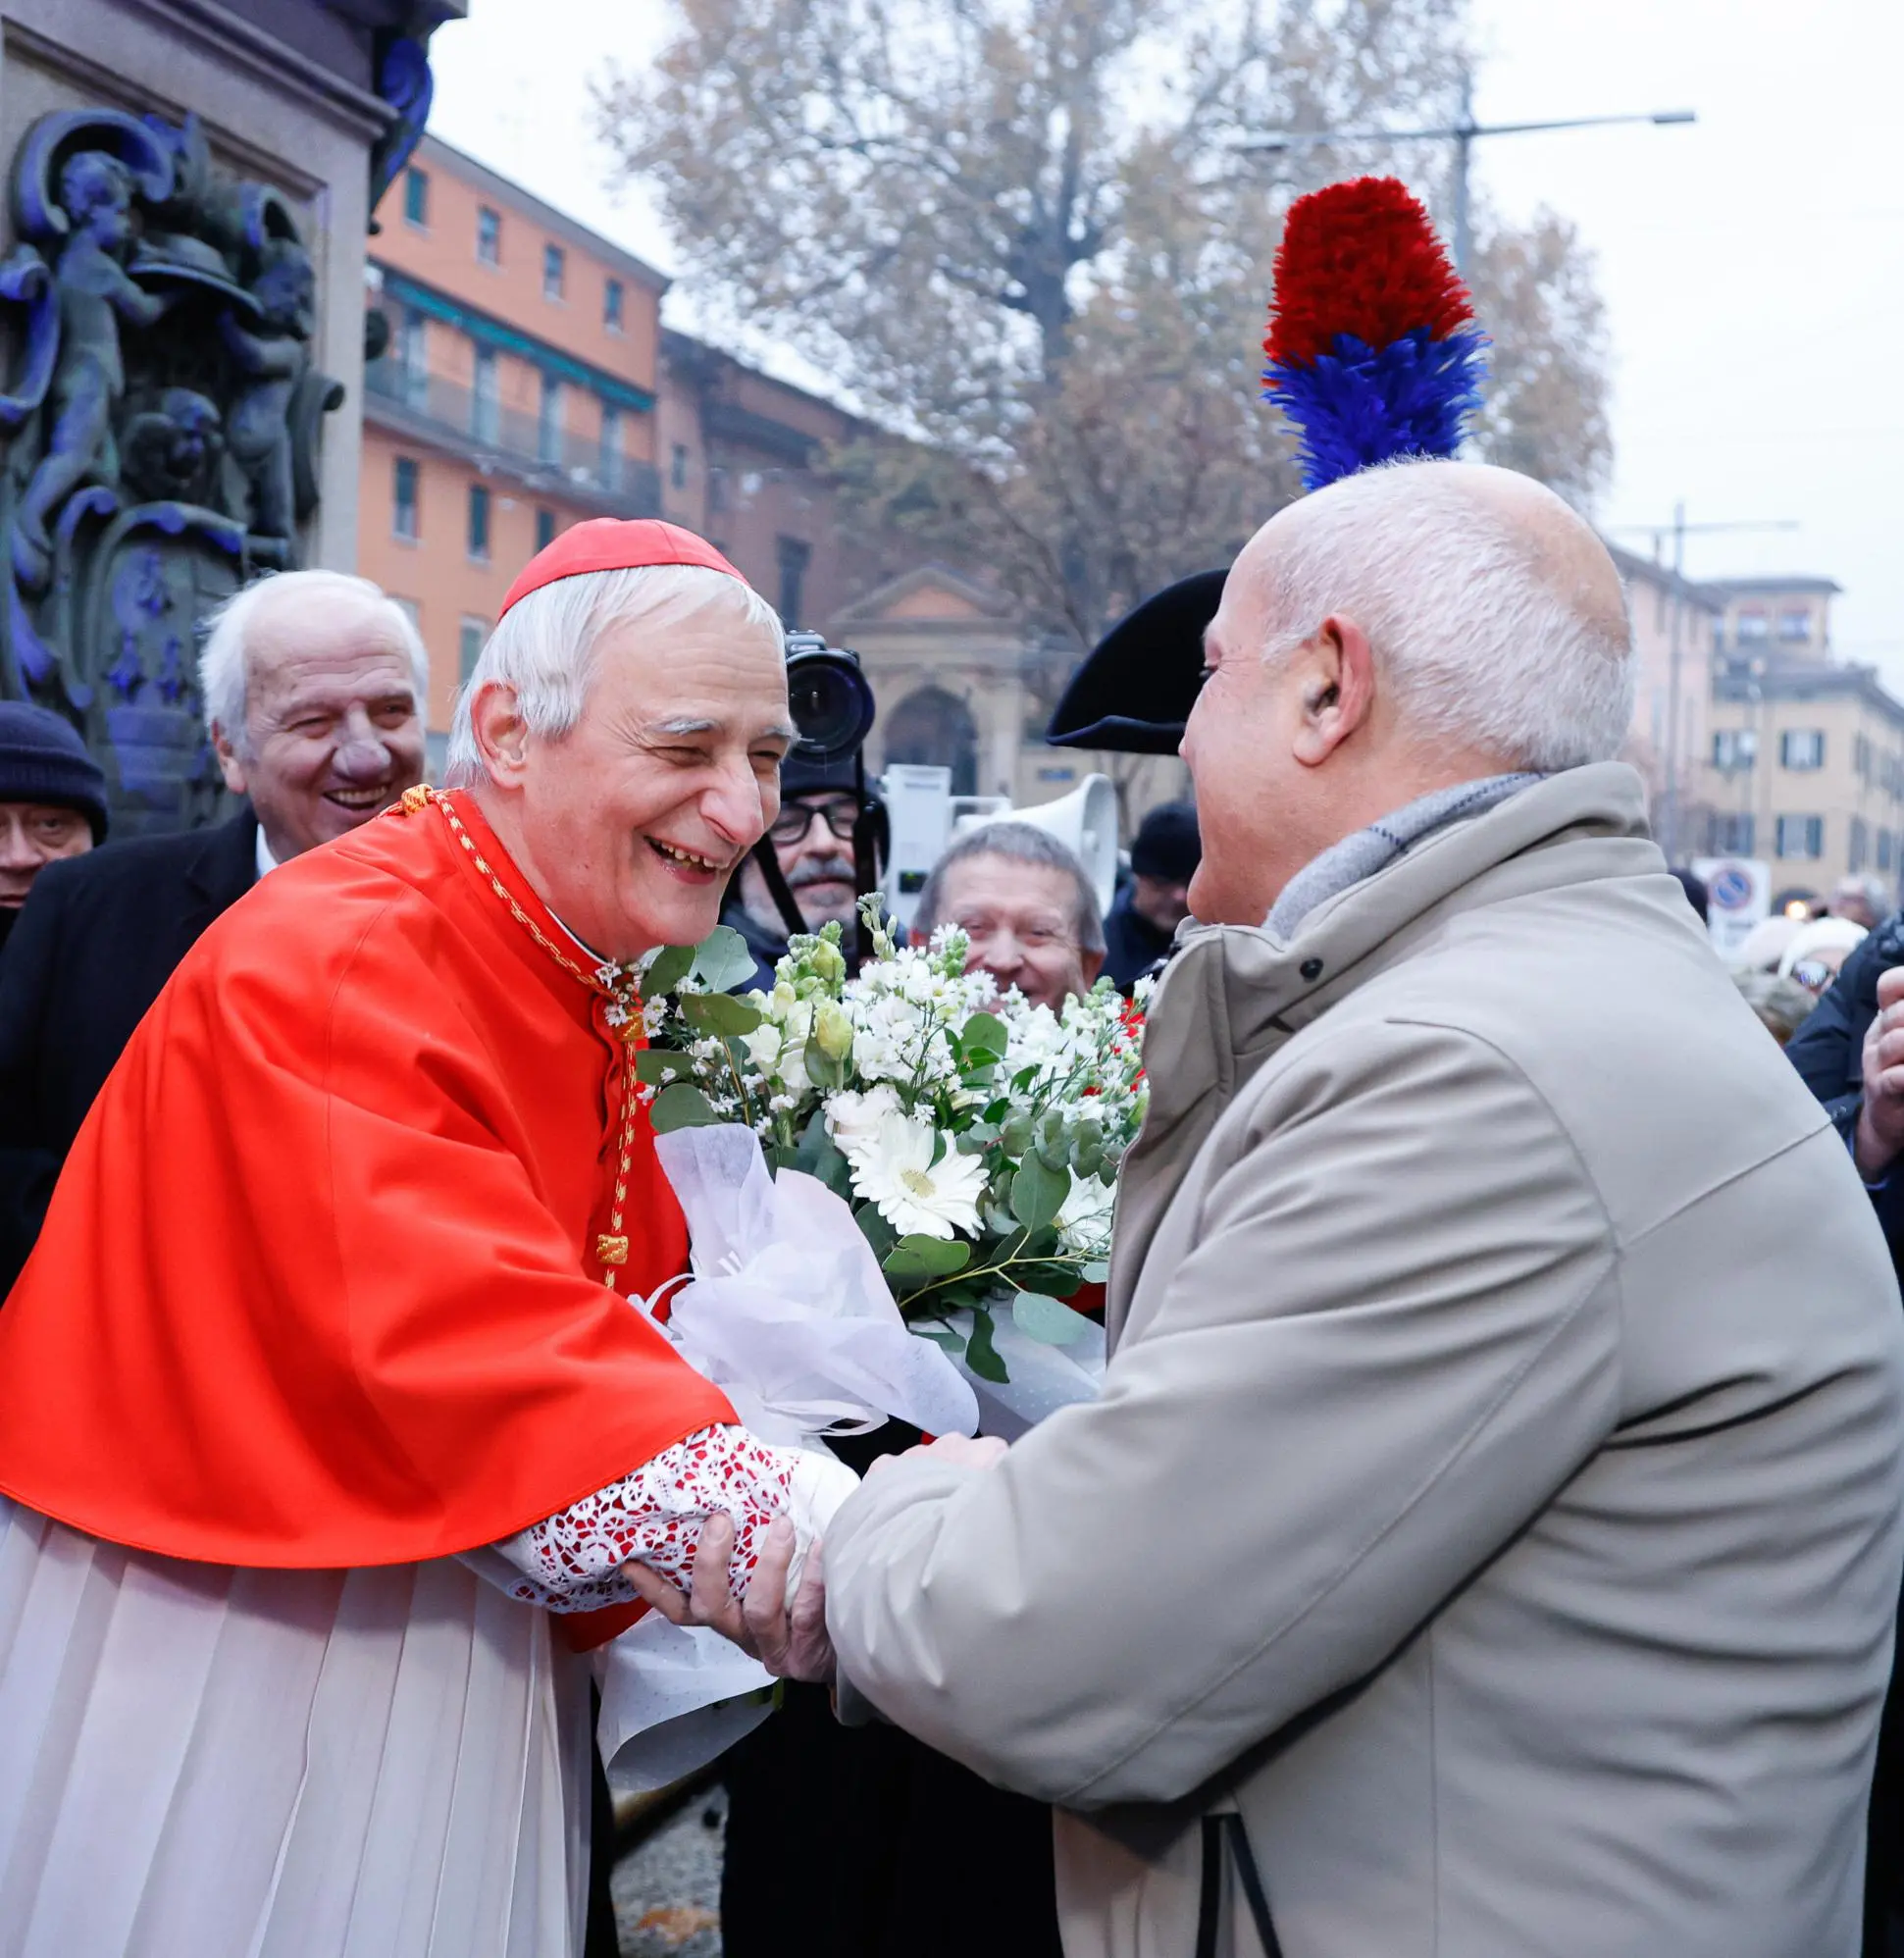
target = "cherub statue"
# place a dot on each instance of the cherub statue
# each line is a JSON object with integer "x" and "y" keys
{"x": 168, "y": 451}
{"x": 257, "y": 426}
{"x": 96, "y": 293}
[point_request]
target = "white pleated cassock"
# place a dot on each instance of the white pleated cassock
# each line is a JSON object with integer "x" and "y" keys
{"x": 199, "y": 1762}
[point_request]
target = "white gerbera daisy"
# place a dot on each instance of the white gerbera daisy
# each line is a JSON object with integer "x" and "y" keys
{"x": 893, "y": 1168}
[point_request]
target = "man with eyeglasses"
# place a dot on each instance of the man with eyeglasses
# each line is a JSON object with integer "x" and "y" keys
{"x": 813, "y": 838}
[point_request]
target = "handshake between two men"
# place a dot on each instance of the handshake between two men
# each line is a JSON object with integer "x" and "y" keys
{"x": 787, "y": 1635}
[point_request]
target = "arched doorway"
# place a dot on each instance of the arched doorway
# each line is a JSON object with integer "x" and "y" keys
{"x": 935, "y": 729}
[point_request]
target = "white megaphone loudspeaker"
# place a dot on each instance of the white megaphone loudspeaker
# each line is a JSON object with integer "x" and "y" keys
{"x": 1085, "y": 821}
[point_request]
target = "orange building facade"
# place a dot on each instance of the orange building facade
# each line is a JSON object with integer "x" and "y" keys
{"x": 515, "y": 395}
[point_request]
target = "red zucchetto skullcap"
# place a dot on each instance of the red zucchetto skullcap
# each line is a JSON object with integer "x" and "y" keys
{"x": 608, "y": 543}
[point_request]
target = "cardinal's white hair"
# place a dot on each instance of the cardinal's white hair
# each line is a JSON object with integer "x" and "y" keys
{"x": 232, "y": 635}
{"x": 544, "y": 646}
{"x": 1489, "y": 640}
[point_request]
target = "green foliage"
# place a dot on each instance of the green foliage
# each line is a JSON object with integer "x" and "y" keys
{"x": 825, "y": 1072}
{"x": 1042, "y": 1319}
{"x": 1037, "y": 1193}
{"x": 983, "y": 1040}
{"x": 915, "y": 1259}
{"x": 722, "y": 960}
{"x": 682, "y": 1105}
{"x": 818, "y": 1157}
{"x": 875, "y": 1230}
{"x": 667, "y": 969}
{"x": 981, "y": 1355}
{"x": 656, "y": 1067}
{"x": 719, "y": 1014}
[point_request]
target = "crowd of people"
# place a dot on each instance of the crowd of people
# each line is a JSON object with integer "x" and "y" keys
{"x": 1490, "y": 1536}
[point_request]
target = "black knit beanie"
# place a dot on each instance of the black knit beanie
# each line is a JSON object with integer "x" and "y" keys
{"x": 43, "y": 760}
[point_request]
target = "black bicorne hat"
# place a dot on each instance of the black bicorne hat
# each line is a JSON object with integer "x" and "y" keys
{"x": 1135, "y": 689}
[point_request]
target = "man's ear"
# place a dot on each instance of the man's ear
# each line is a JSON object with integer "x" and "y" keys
{"x": 500, "y": 732}
{"x": 1338, "y": 689}
{"x": 1092, "y": 964}
{"x": 229, "y": 765}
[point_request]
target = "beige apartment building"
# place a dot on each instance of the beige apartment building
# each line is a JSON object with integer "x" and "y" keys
{"x": 1805, "y": 762}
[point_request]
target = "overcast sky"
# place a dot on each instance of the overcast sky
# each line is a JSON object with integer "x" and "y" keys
{"x": 1752, "y": 265}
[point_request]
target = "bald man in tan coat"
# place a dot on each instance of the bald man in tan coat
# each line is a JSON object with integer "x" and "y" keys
{"x": 1487, "y": 1542}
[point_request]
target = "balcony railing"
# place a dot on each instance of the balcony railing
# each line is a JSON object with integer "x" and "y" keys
{"x": 542, "y": 454}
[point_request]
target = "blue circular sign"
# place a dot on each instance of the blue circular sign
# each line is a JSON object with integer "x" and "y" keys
{"x": 1731, "y": 889}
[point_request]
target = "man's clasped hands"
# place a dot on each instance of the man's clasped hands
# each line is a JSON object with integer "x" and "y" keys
{"x": 789, "y": 1637}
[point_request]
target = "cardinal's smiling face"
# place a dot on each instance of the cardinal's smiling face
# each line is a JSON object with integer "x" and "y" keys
{"x": 631, "y": 823}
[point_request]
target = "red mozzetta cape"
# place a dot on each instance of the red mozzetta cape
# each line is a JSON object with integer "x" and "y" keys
{"x": 320, "y": 1284}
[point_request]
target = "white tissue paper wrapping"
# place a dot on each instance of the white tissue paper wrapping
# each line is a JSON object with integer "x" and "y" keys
{"x": 673, "y": 1696}
{"x": 789, "y": 1315}
{"x": 788, "y": 1311}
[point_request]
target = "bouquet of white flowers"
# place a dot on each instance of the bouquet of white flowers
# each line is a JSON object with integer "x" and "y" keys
{"x": 975, "y": 1135}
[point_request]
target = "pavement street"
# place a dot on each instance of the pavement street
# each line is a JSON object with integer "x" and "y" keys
{"x": 668, "y": 1891}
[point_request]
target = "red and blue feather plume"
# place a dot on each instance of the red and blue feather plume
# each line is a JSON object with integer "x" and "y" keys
{"x": 1373, "y": 344}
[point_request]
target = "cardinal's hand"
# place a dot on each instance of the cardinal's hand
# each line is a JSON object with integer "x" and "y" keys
{"x": 788, "y": 1640}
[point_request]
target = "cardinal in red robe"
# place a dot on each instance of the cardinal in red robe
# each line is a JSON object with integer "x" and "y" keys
{"x": 327, "y": 1391}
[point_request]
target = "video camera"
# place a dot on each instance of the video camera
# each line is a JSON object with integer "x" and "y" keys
{"x": 914, "y": 816}
{"x": 833, "y": 711}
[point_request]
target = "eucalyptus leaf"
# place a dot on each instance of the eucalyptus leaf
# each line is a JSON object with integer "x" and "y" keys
{"x": 719, "y": 1014}
{"x": 874, "y": 1228}
{"x": 1015, "y": 1136}
{"x": 981, "y": 1355}
{"x": 819, "y": 1155}
{"x": 921, "y": 1257}
{"x": 940, "y": 1335}
{"x": 681, "y": 1107}
{"x": 656, "y": 1067}
{"x": 666, "y": 970}
{"x": 825, "y": 1074}
{"x": 1056, "y": 1281}
{"x": 983, "y": 1034}
{"x": 722, "y": 960}
{"x": 1038, "y": 1192}
{"x": 1096, "y": 1273}
{"x": 1042, "y": 1319}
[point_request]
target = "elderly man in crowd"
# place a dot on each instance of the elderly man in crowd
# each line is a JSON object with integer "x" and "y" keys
{"x": 322, "y": 1389}
{"x": 1488, "y": 1539}
{"x": 52, "y": 801}
{"x": 1025, "y": 902}
{"x": 314, "y": 685}
{"x": 1861, "y": 898}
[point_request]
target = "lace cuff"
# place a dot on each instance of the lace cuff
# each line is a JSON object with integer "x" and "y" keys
{"x": 572, "y": 1561}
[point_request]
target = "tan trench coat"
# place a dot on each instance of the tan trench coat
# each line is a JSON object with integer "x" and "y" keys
{"x": 1495, "y": 1495}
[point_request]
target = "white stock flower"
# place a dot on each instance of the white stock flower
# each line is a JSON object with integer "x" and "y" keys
{"x": 764, "y": 1046}
{"x": 893, "y": 1168}
{"x": 852, "y": 1118}
{"x": 1084, "y": 1216}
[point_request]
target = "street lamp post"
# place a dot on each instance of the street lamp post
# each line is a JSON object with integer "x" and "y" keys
{"x": 1461, "y": 134}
